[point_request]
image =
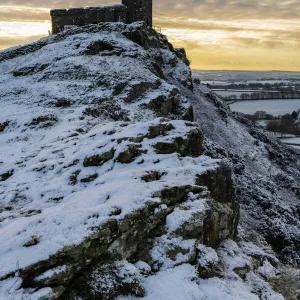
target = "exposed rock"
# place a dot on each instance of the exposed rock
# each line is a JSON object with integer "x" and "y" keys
{"x": 137, "y": 89}
{"x": 131, "y": 152}
{"x": 74, "y": 177}
{"x": 287, "y": 283}
{"x": 89, "y": 178}
{"x": 3, "y": 125}
{"x": 43, "y": 121}
{"x": 34, "y": 241}
{"x": 108, "y": 281}
{"x": 97, "y": 47}
{"x": 6, "y": 175}
{"x": 63, "y": 103}
{"x": 29, "y": 70}
{"x": 152, "y": 176}
{"x": 159, "y": 130}
{"x": 191, "y": 145}
{"x": 107, "y": 108}
{"x": 125, "y": 240}
{"x": 207, "y": 262}
{"x": 166, "y": 105}
{"x": 99, "y": 159}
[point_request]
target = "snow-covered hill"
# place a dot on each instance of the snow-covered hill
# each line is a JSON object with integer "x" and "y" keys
{"x": 113, "y": 186}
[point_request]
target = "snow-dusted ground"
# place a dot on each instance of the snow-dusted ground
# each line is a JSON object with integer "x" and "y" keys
{"x": 58, "y": 214}
{"x": 182, "y": 282}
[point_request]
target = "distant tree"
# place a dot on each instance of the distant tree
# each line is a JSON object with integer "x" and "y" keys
{"x": 260, "y": 115}
{"x": 232, "y": 97}
{"x": 268, "y": 86}
{"x": 197, "y": 81}
{"x": 294, "y": 115}
{"x": 287, "y": 125}
{"x": 245, "y": 96}
{"x": 273, "y": 126}
{"x": 254, "y": 96}
{"x": 269, "y": 117}
{"x": 250, "y": 117}
{"x": 286, "y": 117}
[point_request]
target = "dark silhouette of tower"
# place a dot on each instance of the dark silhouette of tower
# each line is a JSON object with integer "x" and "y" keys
{"x": 139, "y": 10}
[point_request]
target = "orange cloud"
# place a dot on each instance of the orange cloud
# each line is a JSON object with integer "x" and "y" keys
{"x": 217, "y": 34}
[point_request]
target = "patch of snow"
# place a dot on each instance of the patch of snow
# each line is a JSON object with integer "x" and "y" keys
{"x": 232, "y": 256}
{"x": 184, "y": 213}
{"x": 206, "y": 255}
{"x": 267, "y": 270}
{"x": 10, "y": 290}
{"x": 162, "y": 207}
{"x": 51, "y": 272}
{"x": 182, "y": 283}
{"x": 257, "y": 285}
{"x": 169, "y": 252}
{"x": 143, "y": 267}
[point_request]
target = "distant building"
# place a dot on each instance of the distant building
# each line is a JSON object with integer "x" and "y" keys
{"x": 128, "y": 12}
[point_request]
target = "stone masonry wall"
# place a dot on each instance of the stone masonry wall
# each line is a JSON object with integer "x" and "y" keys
{"x": 128, "y": 12}
{"x": 84, "y": 16}
{"x": 139, "y": 10}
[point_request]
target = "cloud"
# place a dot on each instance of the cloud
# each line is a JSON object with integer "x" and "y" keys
{"x": 201, "y": 9}
{"x": 23, "y": 14}
{"x": 6, "y": 42}
{"x": 215, "y": 33}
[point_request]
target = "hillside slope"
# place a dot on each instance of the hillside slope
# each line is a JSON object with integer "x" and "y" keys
{"x": 113, "y": 186}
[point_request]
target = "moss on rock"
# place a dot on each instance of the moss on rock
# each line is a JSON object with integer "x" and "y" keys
{"x": 34, "y": 241}
{"x": 191, "y": 145}
{"x": 89, "y": 178}
{"x": 131, "y": 152}
{"x": 99, "y": 159}
{"x": 43, "y": 121}
{"x": 161, "y": 129}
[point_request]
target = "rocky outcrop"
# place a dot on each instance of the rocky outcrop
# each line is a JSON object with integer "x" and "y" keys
{"x": 114, "y": 185}
{"x": 209, "y": 215}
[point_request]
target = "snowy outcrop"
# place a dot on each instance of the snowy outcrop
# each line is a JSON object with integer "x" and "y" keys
{"x": 92, "y": 173}
{"x": 267, "y": 174}
{"x": 108, "y": 187}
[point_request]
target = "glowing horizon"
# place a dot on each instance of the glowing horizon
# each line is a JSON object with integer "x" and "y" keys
{"x": 217, "y": 34}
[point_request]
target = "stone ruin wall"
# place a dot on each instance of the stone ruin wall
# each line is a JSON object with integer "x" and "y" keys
{"x": 139, "y": 10}
{"x": 84, "y": 16}
{"x": 147, "y": 12}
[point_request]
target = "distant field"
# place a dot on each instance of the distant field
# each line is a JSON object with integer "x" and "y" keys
{"x": 234, "y": 92}
{"x": 295, "y": 140}
{"x": 273, "y": 107}
{"x": 219, "y": 77}
{"x": 273, "y": 81}
{"x": 292, "y": 141}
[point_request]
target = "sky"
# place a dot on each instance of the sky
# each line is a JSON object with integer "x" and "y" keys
{"x": 217, "y": 34}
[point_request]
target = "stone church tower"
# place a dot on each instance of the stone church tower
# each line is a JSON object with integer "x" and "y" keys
{"x": 139, "y": 10}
